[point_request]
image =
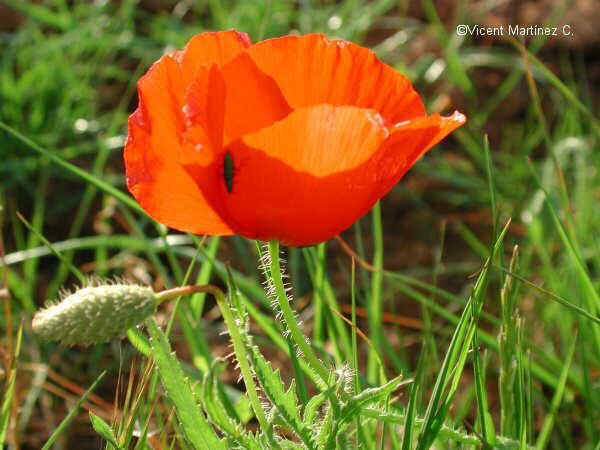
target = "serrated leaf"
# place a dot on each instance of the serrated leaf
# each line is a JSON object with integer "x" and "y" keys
{"x": 195, "y": 426}
{"x": 332, "y": 429}
{"x": 326, "y": 430}
{"x": 139, "y": 342}
{"x": 220, "y": 414}
{"x": 213, "y": 405}
{"x": 286, "y": 402}
{"x": 243, "y": 409}
{"x": 291, "y": 445}
{"x": 368, "y": 397}
{"x": 311, "y": 408}
{"x": 103, "y": 429}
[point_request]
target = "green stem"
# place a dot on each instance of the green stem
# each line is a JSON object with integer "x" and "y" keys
{"x": 318, "y": 296}
{"x": 288, "y": 315}
{"x": 375, "y": 305}
{"x": 236, "y": 337}
{"x": 179, "y": 291}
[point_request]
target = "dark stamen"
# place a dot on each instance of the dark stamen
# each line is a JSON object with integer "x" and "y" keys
{"x": 228, "y": 172}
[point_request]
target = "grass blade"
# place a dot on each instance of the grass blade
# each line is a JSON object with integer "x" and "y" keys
{"x": 100, "y": 184}
{"x": 48, "y": 244}
{"x": 559, "y": 85}
{"x": 9, "y": 391}
{"x": 507, "y": 339}
{"x": 103, "y": 429}
{"x": 456, "y": 355}
{"x": 557, "y": 298}
{"x": 67, "y": 420}
{"x": 548, "y": 424}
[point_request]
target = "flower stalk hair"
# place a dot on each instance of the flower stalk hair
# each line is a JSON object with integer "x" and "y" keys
{"x": 280, "y": 297}
{"x": 290, "y": 139}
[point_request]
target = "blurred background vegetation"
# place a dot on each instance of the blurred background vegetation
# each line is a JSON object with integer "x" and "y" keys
{"x": 68, "y": 71}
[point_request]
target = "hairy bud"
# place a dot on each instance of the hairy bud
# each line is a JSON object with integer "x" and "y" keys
{"x": 95, "y": 314}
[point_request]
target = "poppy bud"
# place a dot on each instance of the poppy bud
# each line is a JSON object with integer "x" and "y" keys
{"x": 95, "y": 314}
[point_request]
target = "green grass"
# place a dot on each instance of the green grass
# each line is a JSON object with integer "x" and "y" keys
{"x": 507, "y": 350}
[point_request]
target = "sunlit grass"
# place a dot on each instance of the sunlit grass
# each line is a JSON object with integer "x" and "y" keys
{"x": 503, "y": 347}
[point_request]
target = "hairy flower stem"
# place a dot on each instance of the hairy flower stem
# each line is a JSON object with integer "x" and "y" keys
{"x": 238, "y": 343}
{"x": 170, "y": 294}
{"x": 288, "y": 315}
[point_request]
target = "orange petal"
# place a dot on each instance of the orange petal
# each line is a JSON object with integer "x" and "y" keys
{"x": 204, "y": 49}
{"x": 253, "y": 99}
{"x": 312, "y": 69}
{"x": 293, "y": 181}
{"x": 162, "y": 186}
{"x": 204, "y": 109}
{"x": 312, "y": 175}
{"x": 300, "y": 177}
{"x": 163, "y": 136}
{"x": 168, "y": 80}
{"x": 409, "y": 141}
{"x": 322, "y": 140}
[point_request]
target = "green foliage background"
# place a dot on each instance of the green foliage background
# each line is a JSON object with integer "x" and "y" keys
{"x": 497, "y": 361}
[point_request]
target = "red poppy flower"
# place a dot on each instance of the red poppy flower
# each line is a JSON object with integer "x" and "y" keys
{"x": 291, "y": 139}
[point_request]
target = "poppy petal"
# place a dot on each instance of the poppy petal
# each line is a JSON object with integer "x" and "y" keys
{"x": 409, "y": 141}
{"x": 168, "y": 80}
{"x": 310, "y": 176}
{"x": 205, "y": 49}
{"x": 253, "y": 99}
{"x": 161, "y": 139}
{"x": 204, "y": 109}
{"x": 312, "y": 69}
{"x": 293, "y": 181}
{"x": 322, "y": 140}
{"x": 162, "y": 186}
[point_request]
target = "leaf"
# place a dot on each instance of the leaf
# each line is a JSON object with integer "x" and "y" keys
{"x": 286, "y": 402}
{"x": 291, "y": 445}
{"x": 360, "y": 401}
{"x": 103, "y": 429}
{"x": 326, "y": 433}
{"x": 407, "y": 439}
{"x": 312, "y": 407}
{"x": 195, "y": 426}
{"x": 139, "y": 342}
{"x": 334, "y": 425}
{"x": 485, "y": 422}
{"x": 218, "y": 412}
